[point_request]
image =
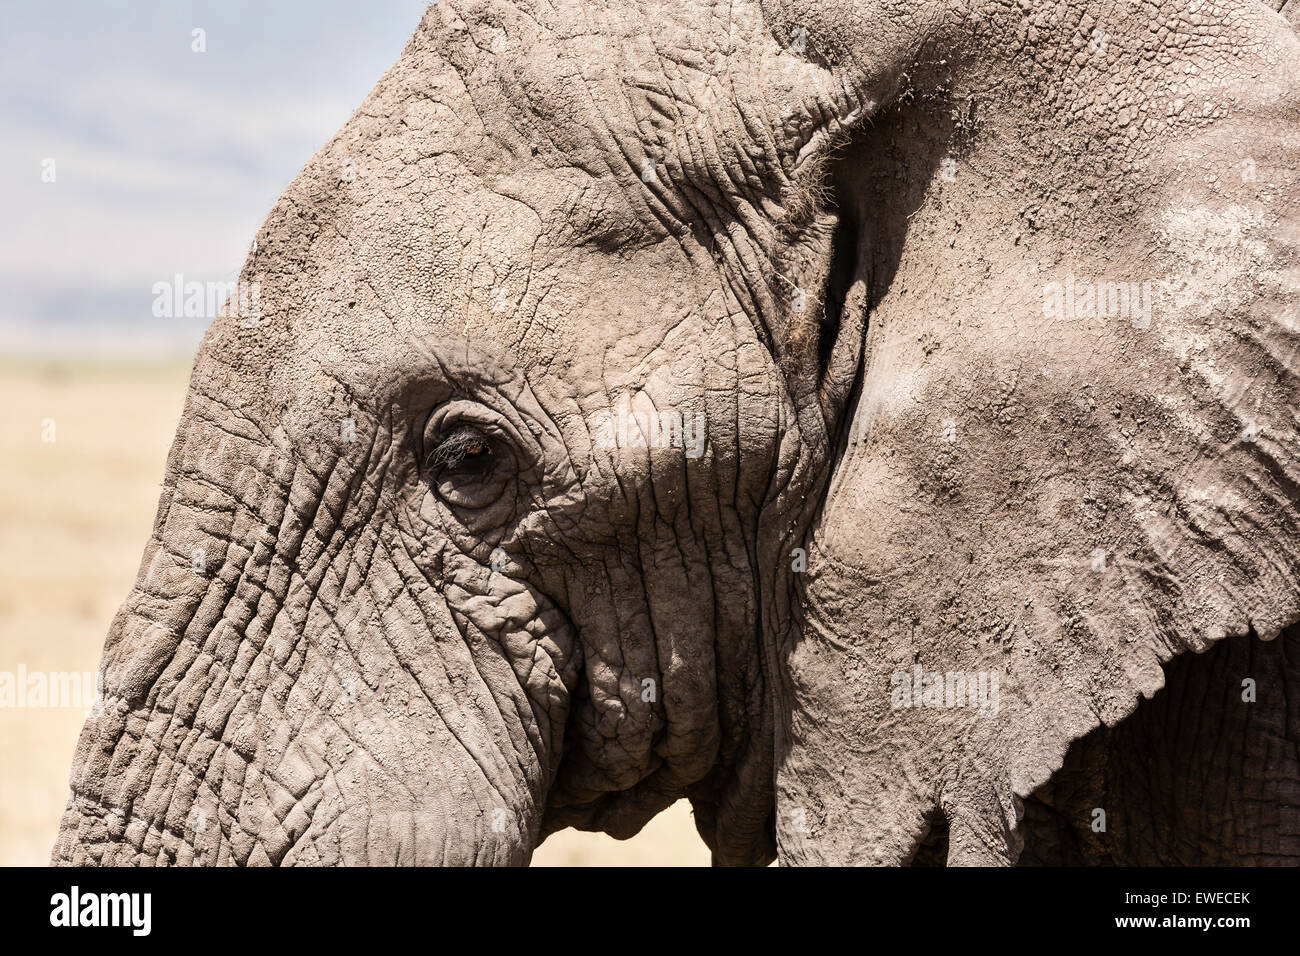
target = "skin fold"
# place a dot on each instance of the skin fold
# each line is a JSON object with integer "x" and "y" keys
{"x": 414, "y": 596}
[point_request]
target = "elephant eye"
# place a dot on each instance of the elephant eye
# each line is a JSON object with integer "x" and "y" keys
{"x": 464, "y": 451}
{"x": 466, "y": 467}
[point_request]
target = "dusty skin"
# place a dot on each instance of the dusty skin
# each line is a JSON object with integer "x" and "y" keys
{"x": 63, "y": 571}
{"x": 992, "y": 316}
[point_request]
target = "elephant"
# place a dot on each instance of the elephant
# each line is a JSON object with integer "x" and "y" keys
{"x": 874, "y": 422}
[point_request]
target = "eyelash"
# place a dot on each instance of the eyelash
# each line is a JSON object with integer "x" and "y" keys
{"x": 455, "y": 447}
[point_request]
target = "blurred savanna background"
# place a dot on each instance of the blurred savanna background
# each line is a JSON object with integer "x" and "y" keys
{"x": 140, "y": 141}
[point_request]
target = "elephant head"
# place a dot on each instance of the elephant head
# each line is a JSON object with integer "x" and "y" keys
{"x": 636, "y": 395}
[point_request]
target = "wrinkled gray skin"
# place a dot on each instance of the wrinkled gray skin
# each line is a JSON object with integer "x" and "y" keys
{"x": 345, "y": 677}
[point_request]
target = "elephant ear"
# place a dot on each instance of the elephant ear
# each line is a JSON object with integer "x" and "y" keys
{"x": 1071, "y": 455}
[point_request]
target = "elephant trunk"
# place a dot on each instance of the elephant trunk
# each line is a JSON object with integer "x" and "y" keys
{"x": 285, "y": 683}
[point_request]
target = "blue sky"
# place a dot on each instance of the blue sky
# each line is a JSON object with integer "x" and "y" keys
{"x": 165, "y": 160}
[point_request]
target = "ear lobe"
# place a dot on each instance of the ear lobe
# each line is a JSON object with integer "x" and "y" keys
{"x": 822, "y": 274}
{"x": 845, "y": 266}
{"x": 1061, "y": 498}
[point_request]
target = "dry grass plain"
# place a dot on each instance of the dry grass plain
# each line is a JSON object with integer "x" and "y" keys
{"x": 74, "y": 516}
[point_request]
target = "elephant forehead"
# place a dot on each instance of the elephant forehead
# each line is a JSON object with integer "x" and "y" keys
{"x": 491, "y": 190}
{"x": 623, "y": 89}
